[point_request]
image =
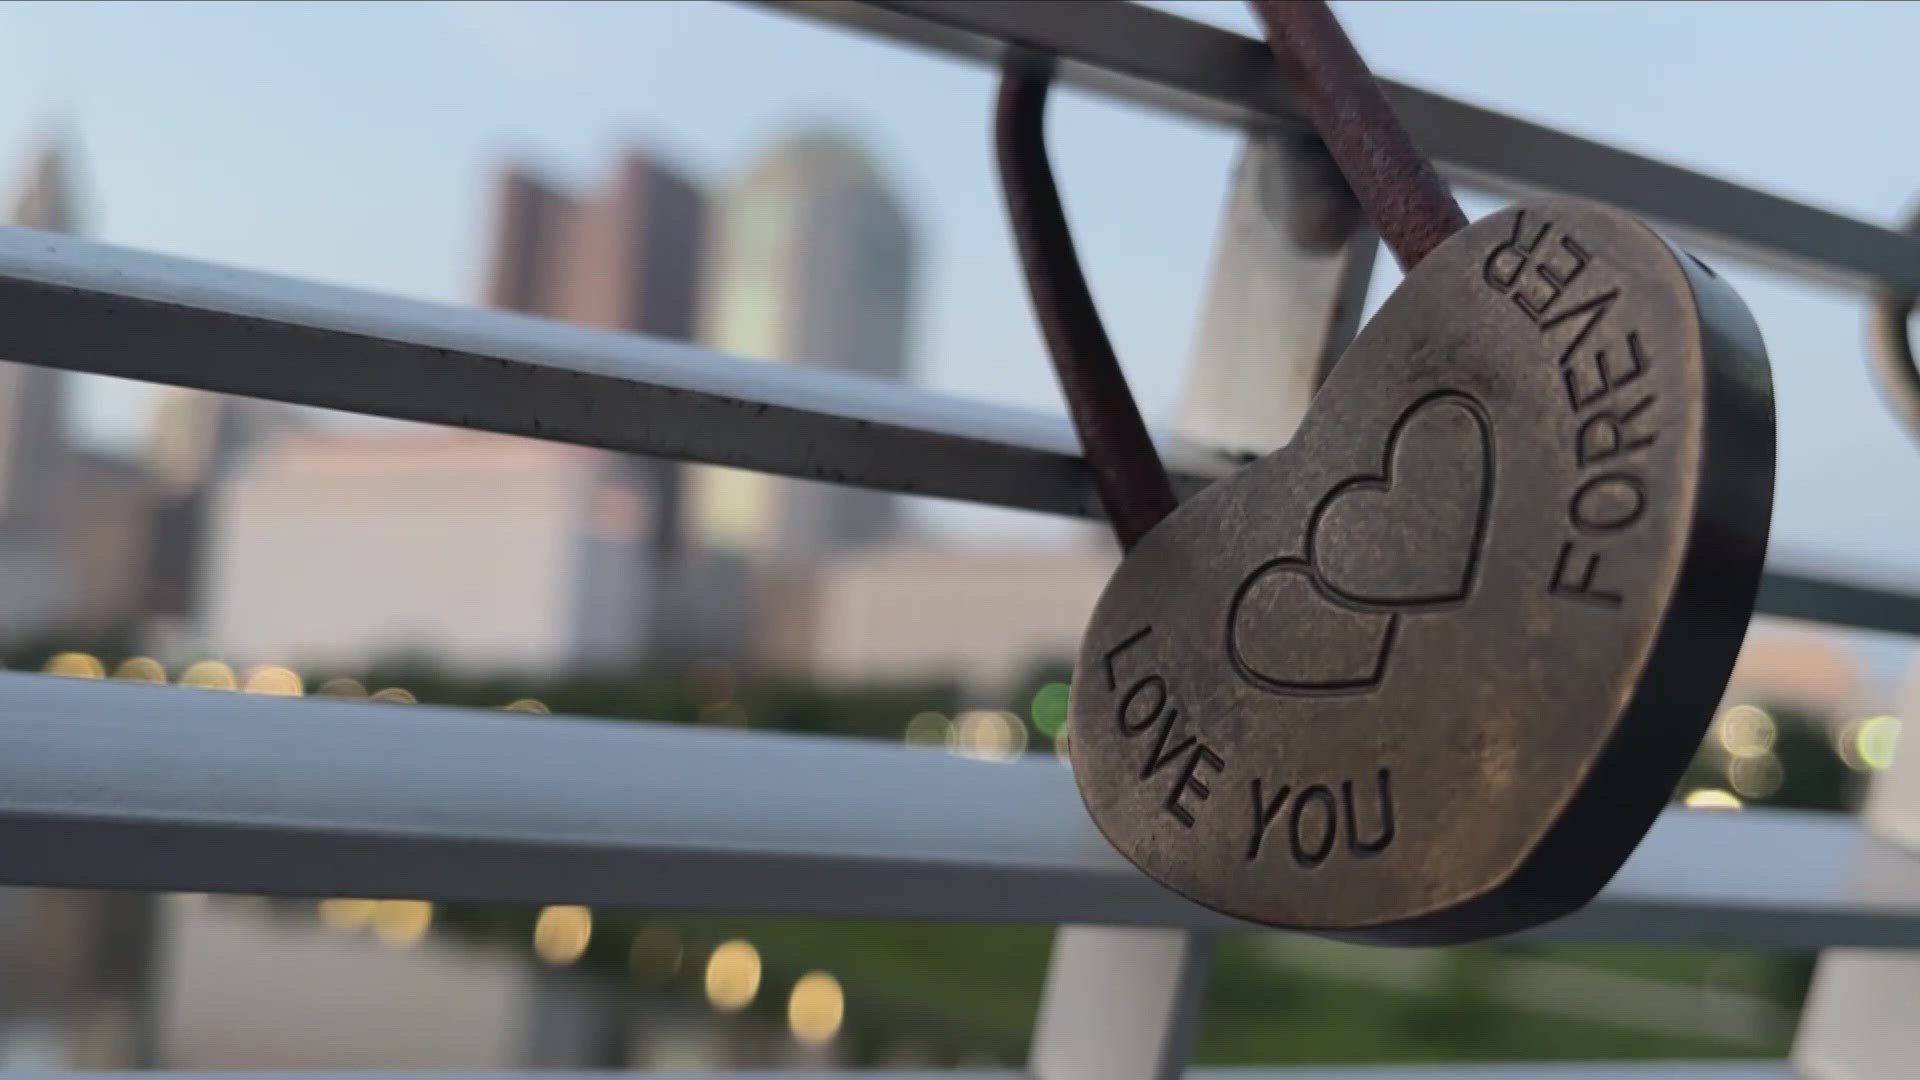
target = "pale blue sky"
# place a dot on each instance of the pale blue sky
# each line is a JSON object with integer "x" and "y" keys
{"x": 352, "y": 143}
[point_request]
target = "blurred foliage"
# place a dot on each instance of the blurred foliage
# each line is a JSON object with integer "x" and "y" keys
{"x": 967, "y": 989}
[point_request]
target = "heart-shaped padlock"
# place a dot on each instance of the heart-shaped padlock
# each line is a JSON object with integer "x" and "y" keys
{"x": 1429, "y": 672}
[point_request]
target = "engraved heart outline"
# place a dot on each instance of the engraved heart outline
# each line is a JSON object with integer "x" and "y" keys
{"x": 1335, "y": 686}
{"x": 1382, "y": 483}
{"x": 1355, "y": 680}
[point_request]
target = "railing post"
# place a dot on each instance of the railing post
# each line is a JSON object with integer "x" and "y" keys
{"x": 1290, "y": 272}
{"x": 1859, "y": 1022}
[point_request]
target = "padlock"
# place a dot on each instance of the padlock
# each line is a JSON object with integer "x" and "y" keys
{"x": 1428, "y": 673}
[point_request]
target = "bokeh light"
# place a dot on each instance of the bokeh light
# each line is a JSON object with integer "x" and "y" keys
{"x": 816, "y": 1008}
{"x": 141, "y": 669}
{"x": 929, "y": 729}
{"x": 733, "y": 976}
{"x": 1875, "y": 740}
{"x": 275, "y": 680}
{"x": 1050, "y": 709}
{"x": 75, "y": 665}
{"x": 1712, "y": 799}
{"x": 1747, "y": 731}
{"x": 561, "y": 934}
{"x": 989, "y": 735}
{"x": 402, "y": 923}
{"x": 528, "y": 705}
{"x": 342, "y": 687}
{"x": 1756, "y": 777}
{"x": 347, "y": 914}
{"x": 209, "y": 675}
{"x": 395, "y": 694}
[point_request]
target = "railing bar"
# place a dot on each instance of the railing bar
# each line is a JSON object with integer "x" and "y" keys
{"x": 1163, "y": 61}
{"x": 111, "y": 785}
{"x": 88, "y": 307}
{"x": 1625, "y": 1070}
{"x": 81, "y": 306}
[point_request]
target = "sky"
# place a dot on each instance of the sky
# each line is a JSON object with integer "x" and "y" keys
{"x": 354, "y": 143}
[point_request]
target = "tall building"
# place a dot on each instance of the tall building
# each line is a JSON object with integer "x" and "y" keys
{"x": 626, "y": 257}
{"x": 812, "y": 264}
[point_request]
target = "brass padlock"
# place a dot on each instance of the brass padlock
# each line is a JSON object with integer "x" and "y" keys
{"x": 1428, "y": 673}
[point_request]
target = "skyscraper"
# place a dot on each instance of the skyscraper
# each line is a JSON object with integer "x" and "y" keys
{"x": 624, "y": 258}
{"x": 812, "y": 264}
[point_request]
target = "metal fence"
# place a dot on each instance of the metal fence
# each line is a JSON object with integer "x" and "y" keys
{"x": 127, "y": 786}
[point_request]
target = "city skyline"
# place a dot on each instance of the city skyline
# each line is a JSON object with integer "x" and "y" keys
{"x": 280, "y": 177}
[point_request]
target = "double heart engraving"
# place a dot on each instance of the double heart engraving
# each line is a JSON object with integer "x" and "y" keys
{"x": 1377, "y": 549}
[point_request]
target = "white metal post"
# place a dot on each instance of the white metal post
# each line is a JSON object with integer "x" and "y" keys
{"x": 1862, "y": 1017}
{"x": 1290, "y": 272}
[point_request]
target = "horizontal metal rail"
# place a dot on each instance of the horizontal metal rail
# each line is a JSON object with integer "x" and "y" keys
{"x": 88, "y": 307}
{"x": 1611, "y": 1071}
{"x": 127, "y": 786}
{"x": 1159, "y": 60}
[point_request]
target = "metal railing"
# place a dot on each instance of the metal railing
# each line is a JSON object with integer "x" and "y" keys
{"x": 128, "y": 786}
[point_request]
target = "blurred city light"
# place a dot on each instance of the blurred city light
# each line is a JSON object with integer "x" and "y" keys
{"x": 815, "y": 1008}
{"x": 1756, "y": 777}
{"x": 1875, "y": 741}
{"x": 347, "y": 914}
{"x": 929, "y": 729}
{"x": 140, "y": 669}
{"x": 209, "y": 675}
{"x": 561, "y": 934}
{"x": 402, "y": 923}
{"x": 1712, "y": 799}
{"x": 342, "y": 687}
{"x": 1747, "y": 731}
{"x": 989, "y": 735}
{"x": 733, "y": 976}
{"x": 75, "y": 665}
{"x": 275, "y": 680}
{"x": 1050, "y": 709}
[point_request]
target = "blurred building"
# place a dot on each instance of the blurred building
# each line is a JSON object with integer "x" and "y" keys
{"x": 813, "y": 263}
{"x": 33, "y": 400}
{"x": 985, "y": 617}
{"x": 34, "y": 456}
{"x": 193, "y": 440}
{"x": 627, "y": 257}
{"x": 75, "y": 526}
{"x": 477, "y": 551}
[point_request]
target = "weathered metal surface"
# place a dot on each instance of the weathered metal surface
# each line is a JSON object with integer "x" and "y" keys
{"x": 1429, "y": 672}
{"x": 1133, "y": 485}
{"x": 1409, "y": 206}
